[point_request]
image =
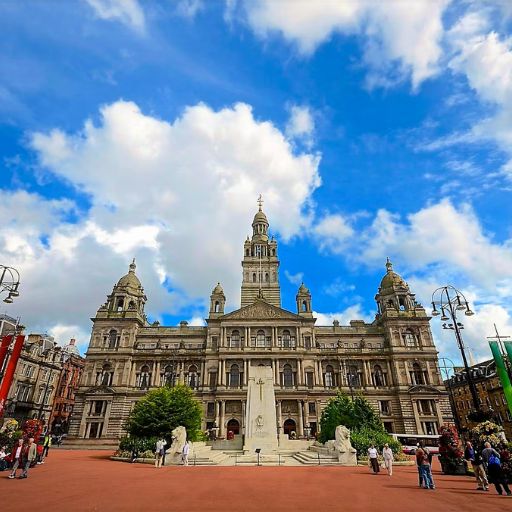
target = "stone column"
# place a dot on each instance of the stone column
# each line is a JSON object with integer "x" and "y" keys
{"x": 278, "y": 381}
{"x": 274, "y": 337}
{"x": 429, "y": 374}
{"x": 306, "y": 414}
{"x": 297, "y": 338}
{"x": 300, "y": 379}
{"x": 416, "y": 417}
{"x": 279, "y": 416}
{"x": 319, "y": 376}
{"x": 222, "y": 417}
{"x": 217, "y": 412}
{"x": 439, "y": 415}
{"x": 300, "y": 429}
{"x": 318, "y": 415}
{"x": 156, "y": 379}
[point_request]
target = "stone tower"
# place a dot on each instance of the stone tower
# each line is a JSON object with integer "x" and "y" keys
{"x": 260, "y": 264}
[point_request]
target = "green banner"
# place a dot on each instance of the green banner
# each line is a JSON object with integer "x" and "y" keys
{"x": 502, "y": 369}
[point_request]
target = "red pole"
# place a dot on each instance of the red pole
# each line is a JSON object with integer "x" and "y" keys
{"x": 4, "y": 347}
{"x": 9, "y": 371}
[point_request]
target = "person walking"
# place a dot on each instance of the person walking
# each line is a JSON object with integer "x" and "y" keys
{"x": 423, "y": 462}
{"x": 477, "y": 463}
{"x": 3, "y": 455}
{"x": 159, "y": 452}
{"x": 47, "y": 443}
{"x": 28, "y": 456}
{"x": 16, "y": 457}
{"x": 185, "y": 452}
{"x": 387, "y": 454}
{"x": 494, "y": 470}
{"x": 373, "y": 459}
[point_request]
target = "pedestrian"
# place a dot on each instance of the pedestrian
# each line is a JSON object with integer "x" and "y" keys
{"x": 185, "y": 452}
{"x": 418, "y": 466}
{"x": 3, "y": 456}
{"x": 47, "y": 442}
{"x": 422, "y": 460}
{"x": 506, "y": 463}
{"x": 28, "y": 456}
{"x": 16, "y": 457}
{"x": 477, "y": 463}
{"x": 373, "y": 459}
{"x": 494, "y": 470}
{"x": 387, "y": 454}
{"x": 159, "y": 452}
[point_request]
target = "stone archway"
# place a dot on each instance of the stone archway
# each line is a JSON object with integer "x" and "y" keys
{"x": 289, "y": 426}
{"x": 233, "y": 426}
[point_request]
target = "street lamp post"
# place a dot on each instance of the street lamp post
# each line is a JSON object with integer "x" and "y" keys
{"x": 445, "y": 366}
{"x": 446, "y": 301}
{"x": 9, "y": 282}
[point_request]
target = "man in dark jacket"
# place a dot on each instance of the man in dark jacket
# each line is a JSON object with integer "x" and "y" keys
{"x": 477, "y": 463}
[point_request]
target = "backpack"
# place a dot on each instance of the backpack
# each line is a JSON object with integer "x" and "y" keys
{"x": 494, "y": 460}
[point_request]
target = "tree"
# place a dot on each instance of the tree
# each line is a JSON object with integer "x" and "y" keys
{"x": 358, "y": 415}
{"x": 161, "y": 410}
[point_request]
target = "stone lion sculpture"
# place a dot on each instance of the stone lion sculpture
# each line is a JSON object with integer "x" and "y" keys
{"x": 343, "y": 447}
{"x": 179, "y": 438}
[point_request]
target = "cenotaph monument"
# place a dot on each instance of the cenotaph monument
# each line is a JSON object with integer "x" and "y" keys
{"x": 260, "y": 420}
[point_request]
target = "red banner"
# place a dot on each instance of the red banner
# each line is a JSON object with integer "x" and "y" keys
{"x": 4, "y": 347}
{"x": 9, "y": 371}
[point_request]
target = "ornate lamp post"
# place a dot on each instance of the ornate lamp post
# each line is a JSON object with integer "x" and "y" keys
{"x": 9, "y": 282}
{"x": 446, "y": 301}
{"x": 445, "y": 365}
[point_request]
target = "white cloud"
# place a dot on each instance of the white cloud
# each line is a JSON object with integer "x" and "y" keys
{"x": 128, "y": 12}
{"x": 332, "y": 232}
{"x": 301, "y": 124}
{"x": 177, "y": 195}
{"x": 189, "y": 8}
{"x": 344, "y": 317}
{"x": 64, "y": 333}
{"x": 400, "y": 38}
{"x": 295, "y": 279}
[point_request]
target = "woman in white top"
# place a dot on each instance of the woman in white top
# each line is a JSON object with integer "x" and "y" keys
{"x": 387, "y": 454}
{"x": 372, "y": 457}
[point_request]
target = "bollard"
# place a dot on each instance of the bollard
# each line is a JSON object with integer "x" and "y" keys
{"x": 318, "y": 458}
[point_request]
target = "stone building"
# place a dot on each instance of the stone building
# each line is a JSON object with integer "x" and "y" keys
{"x": 490, "y": 394}
{"x": 392, "y": 361}
{"x": 35, "y": 379}
{"x": 64, "y": 399}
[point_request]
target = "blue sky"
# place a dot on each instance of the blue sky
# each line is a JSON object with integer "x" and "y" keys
{"x": 148, "y": 129}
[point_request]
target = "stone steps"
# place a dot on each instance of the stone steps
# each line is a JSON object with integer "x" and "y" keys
{"x": 312, "y": 458}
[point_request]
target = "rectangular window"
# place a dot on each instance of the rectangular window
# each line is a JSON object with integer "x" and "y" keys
{"x": 388, "y": 425}
{"x": 212, "y": 379}
{"x": 429, "y": 428}
{"x": 210, "y": 409}
{"x": 307, "y": 342}
{"x": 312, "y": 408}
{"x": 95, "y": 430}
{"x": 426, "y": 407}
{"x": 385, "y": 407}
{"x": 310, "y": 379}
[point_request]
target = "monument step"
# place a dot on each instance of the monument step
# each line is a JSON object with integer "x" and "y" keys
{"x": 312, "y": 458}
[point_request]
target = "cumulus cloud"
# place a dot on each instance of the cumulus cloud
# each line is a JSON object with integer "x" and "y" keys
{"x": 176, "y": 195}
{"x": 400, "y": 38}
{"x": 332, "y": 233}
{"x": 301, "y": 124}
{"x": 353, "y": 312}
{"x": 295, "y": 279}
{"x": 128, "y": 12}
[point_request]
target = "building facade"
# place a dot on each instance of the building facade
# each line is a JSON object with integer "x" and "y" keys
{"x": 392, "y": 361}
{"x": 490, "y": 394}
{"x": 64, "y": 399}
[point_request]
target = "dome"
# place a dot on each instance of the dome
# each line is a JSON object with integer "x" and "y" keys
{"x": 71, "y": 349}
{"x": 260, "y": 218}
{"x": 392, "y": 279}
{"x": 130, "y": 279}
{"x": 303, "y": 290}
{"x": 218, "y": 290}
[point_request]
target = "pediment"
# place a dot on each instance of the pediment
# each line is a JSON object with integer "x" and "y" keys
{"x": 100, "y": 390}
{"x": 423, "y": 389}
{"x": 260, "y": 310}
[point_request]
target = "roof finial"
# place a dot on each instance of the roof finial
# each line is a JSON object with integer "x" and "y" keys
{"x": 260, "y": 201}
{"x": 389, "y": 265}
{"x": 133, "y": 266}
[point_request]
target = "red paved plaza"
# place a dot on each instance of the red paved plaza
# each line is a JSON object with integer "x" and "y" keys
{"x": 88, "y": 480}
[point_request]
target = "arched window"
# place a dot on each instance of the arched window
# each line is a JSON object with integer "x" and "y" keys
{"x": 260, "y": 338}
{"x": 234, "y": 376}
{"x": 104, "y": 377}
{"x": 132, "y": 305}
{"x": 287, "y": 376}
{"x": 287, "y": 339}
{"x": 401, "y": 304}
{"x": 329, "y": 376}
{"x": 378, "y": 376}
{"x": 144, "y": 377}
{"x": 267, "y": 278}
{"x": 234, "y": 341}
{"x": 168, "y": 376}
{"x": 247, "y": 252}
{"x": 120, "y": 304}
{"x": 304, "y": 306}
{"x": 192, "y": 376}
{"x": 417, "y": 376}
{"x": 409, "y": 338}
{"x": 353, "y": 377}
{"x": 254, "y": 277}
{"x": 112, "y": 339}
{"x": 217, "y": 307}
